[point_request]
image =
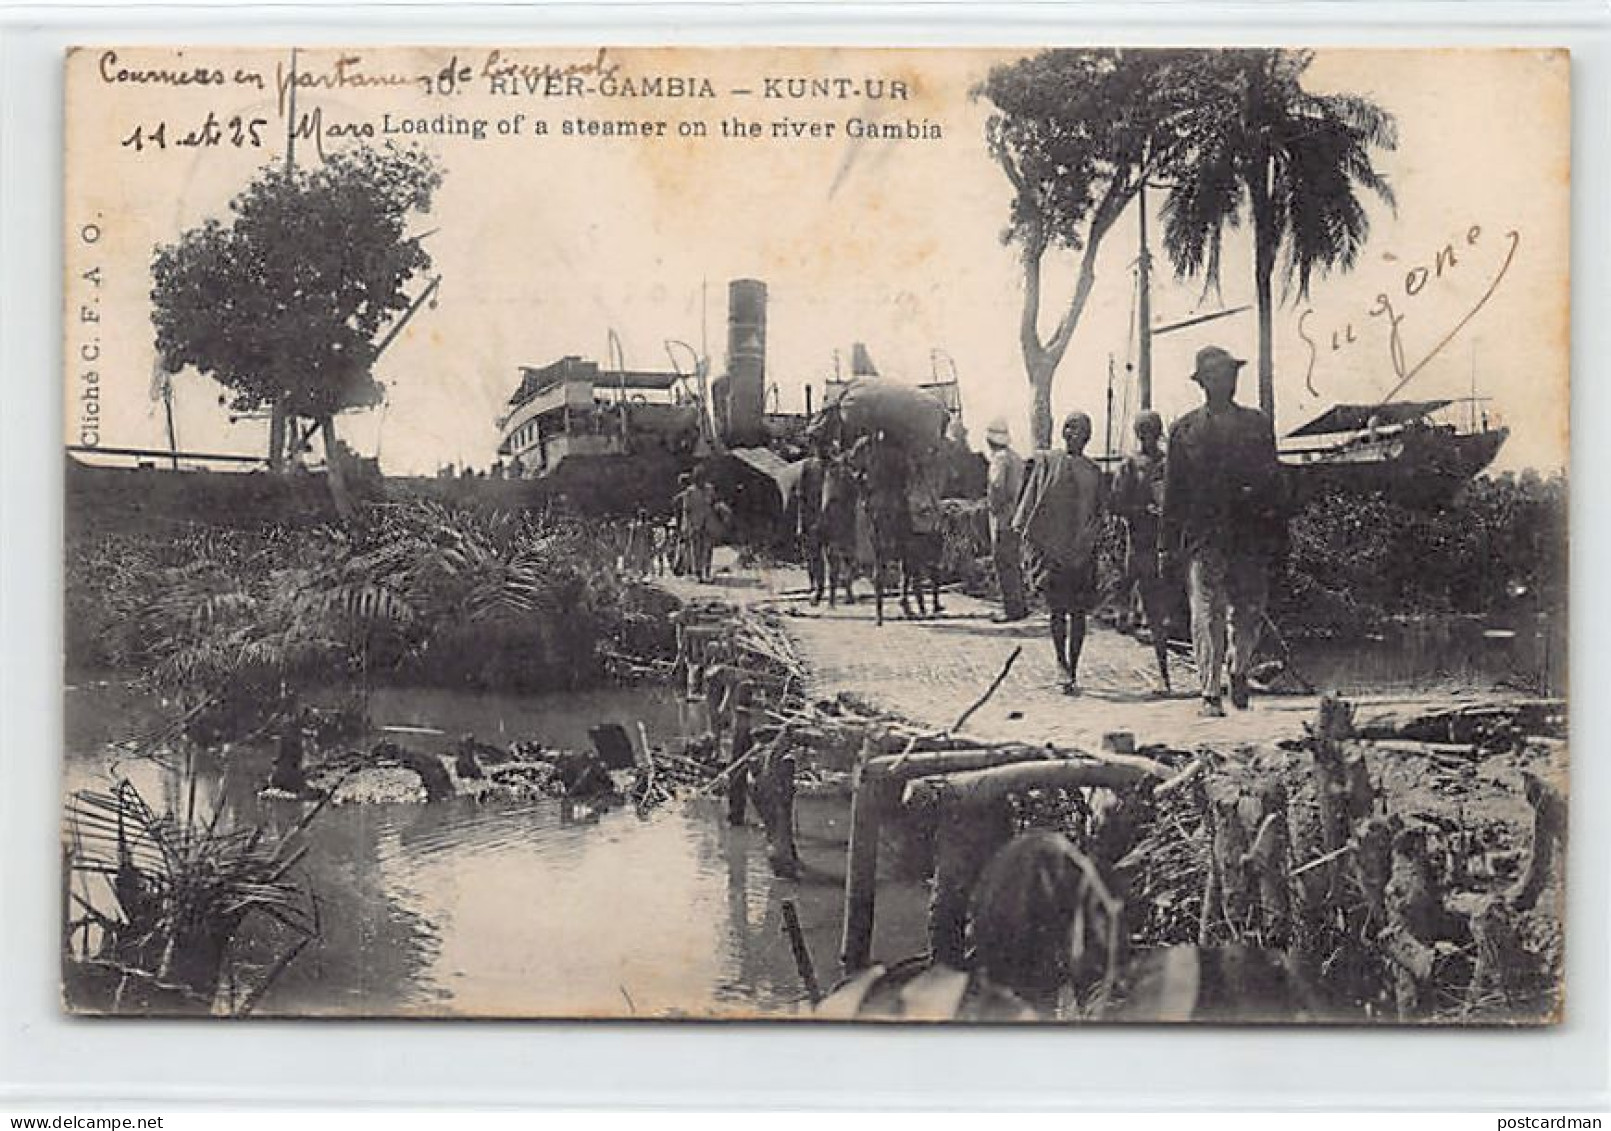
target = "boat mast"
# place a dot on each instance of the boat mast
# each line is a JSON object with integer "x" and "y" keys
{"x": 707, "y": 411}
{"x": 1107, "y": 441}
{"x": 1145, "y": 330}
{"x": 1143, "y": 317}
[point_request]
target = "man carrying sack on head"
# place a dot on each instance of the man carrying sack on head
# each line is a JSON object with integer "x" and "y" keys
{"x": 1225, "y": 513}
{"x": 1006, "y": 482}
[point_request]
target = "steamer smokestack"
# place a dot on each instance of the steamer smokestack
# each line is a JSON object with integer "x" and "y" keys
{"x": 746, "y": 362}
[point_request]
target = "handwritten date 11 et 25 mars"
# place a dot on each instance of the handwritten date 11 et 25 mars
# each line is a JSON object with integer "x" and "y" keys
{"x": 237, "y": 131}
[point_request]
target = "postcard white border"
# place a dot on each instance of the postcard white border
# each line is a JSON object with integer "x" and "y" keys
{"x": 48, "y": 1059}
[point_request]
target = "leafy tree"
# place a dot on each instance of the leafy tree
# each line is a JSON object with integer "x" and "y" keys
{"x": 283, "y": 303}
{"x": 1293, "y": 160}
{"x": 1078, "y": 132}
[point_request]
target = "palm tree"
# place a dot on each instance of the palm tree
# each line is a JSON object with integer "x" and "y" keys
{"x": 1294, "y": 161}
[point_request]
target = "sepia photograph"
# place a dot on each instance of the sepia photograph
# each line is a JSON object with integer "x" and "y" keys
{"x": 1068, "y": 535}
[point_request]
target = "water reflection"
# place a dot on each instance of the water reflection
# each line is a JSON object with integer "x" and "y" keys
{"x": 526, "y": 908}
{"x": 1525, "y": 652}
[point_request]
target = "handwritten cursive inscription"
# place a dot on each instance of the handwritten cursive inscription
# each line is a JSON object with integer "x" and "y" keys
{"x": 1391, "y": 307}
{"x": 346, "y": 73}
{"x": 503, "y": 75}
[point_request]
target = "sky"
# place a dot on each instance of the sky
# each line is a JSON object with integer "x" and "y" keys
{"x": 545, "y": 244}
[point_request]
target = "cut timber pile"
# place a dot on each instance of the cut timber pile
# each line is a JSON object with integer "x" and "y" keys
{"x": 1405, "y": 868}
{"x": 1411, "y": 866}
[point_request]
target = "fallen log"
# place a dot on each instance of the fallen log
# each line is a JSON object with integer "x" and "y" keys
{"x": 1438, "y": 750}
{"x": 987, "y": 786}
{"x": 904, "y": 767}
{"x": 877, "y": 783}
{"x": 1483, "y": 723}
{"x": 924, "y": 763}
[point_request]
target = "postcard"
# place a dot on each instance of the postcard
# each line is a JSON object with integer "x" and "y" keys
{"x": 1065, "y": 535}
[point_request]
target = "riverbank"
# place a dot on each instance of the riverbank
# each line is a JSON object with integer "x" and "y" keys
{"x": 925, "y": 671}
{"x": 1412, "y": 845}
{"x": 515, "y": 907}
{"x": 506, "y": 899}
{"x": 420, "y": 595}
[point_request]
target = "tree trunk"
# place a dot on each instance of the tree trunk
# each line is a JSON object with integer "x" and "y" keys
{"x": 288, "y": 774}
{"x": 335, "y": 470}
{"x": 1041, "y": 359}
{"x": 1037, "y": 366}
{"x": 861, "y": 868}
{"x": 966, "y": 839}
{"x": 1264, "y": 244}
{"x": 774, "y": 794}
{"x": 1040, "y": 411}
{"x": 276, "y": 452}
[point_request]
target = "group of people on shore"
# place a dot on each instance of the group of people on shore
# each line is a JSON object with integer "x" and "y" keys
{"x": 1212, "y": 503}
{"x": 683, "y": 543}
{"x": 698, "y": 518}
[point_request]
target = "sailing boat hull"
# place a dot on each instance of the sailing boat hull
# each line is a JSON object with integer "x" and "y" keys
{"x": 1421, "y": 468}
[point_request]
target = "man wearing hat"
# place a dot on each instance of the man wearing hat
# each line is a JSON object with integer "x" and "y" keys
{"x": 1224, "y": 512}
{"x": 1060, "y": 515}
{"x": 1005, "y": 483}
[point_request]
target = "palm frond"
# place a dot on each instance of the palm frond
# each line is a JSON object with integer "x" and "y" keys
{"x": 1314, "y": 153}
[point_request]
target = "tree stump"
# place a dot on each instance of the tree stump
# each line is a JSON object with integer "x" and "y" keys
{"x": 967, "y": 839}
{"x": 1333, "y": 788}
{"x": 1228, "y": 853}
{"x": 869, "y": 795}
{"x": 1500, "y": 960}
{"x": 773, "y": 790}
{"x": 1373, "y": 863}
{"x": 1413, "y": 913}
{"x": 743, "y": 741}
{"x": 1269, "y": 857}
{"x": 288, "y": 773}
{"x": 1549, "y": 838}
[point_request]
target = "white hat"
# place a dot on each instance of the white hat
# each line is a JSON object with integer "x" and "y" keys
{"x": 998, "y": 432}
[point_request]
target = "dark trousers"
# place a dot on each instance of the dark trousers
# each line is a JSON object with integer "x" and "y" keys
{"x": 811, "y": 548}
{"x": 1008, "y": 547}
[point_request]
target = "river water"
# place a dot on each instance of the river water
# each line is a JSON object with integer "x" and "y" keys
{"x": 1524, "y": 652}
{"x": 536, "y": 909}
{"x": 522, "y": 909}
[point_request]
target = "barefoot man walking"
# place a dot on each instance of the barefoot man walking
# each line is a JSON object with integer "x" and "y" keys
{"x": 1138, "y": 499}
{"x": 1060, "y": 516}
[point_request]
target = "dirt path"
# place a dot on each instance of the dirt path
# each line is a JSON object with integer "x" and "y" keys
{"x": 929, "y": 671}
